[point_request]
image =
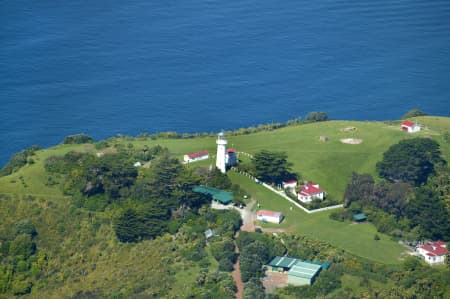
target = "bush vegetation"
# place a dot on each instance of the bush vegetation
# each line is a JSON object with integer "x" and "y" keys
{"x": 19, "y": 160}
{"x": 78, "y": 139}
{"x": 316, "y": 116}
{"x": 412, "y": 204}
{"x": 413, "y": 113}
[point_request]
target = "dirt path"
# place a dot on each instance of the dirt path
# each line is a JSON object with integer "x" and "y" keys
{"x": 277, "y": 230}
{"x": 248, "y": 225}
{"x": 248, "y": 218}
{"x": 237, "y": 272}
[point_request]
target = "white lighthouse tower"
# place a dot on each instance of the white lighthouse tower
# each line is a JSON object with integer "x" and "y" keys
{"x": 221, "y": 152}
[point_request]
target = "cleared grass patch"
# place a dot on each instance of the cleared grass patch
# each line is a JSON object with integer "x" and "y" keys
{"x": 355, "y": 238}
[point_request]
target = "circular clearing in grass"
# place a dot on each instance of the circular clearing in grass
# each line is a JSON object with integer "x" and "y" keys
{"x": 351, "y": 141}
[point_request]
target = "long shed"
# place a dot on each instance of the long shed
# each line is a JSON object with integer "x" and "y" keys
{"x": 221, "y": 196}
{"x": 282, "y": 263}
{"x": 303, "y": 273}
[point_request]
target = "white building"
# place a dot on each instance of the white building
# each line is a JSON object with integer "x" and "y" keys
{"x": 309, "y": 191}
{"x": 197, "y": 156}
{"x": 410, "y": 127}
{"x": 433, "y": 253}
{"x": 221, "y": 152}
{"x": 269, "y": 216}
{"x": 289, "y": 184}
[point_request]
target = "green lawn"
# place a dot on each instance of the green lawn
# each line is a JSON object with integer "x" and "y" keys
{"x": 355, "y": 238}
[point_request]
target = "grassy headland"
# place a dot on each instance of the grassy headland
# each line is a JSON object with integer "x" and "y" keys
{"x": 79, "y": 239}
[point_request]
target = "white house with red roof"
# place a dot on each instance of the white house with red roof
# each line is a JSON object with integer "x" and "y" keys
{"x": 433, "y": 253}
{"x": 197, "y": 156}
{"x": 410, "y": 127}
{"x": 269, "y": 216}
{"x": 231, "y": 157}
{"x": 289, "y": 184}
{"x": 309, "y": 191}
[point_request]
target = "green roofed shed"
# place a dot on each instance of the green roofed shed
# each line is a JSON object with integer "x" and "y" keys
{"x": 359, "y": 217}
{"x": 282, "y": 263}
{"x": 221, "y": 196}
{"x": 303, "y": 273}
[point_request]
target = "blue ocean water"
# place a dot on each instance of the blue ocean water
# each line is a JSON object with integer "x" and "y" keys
{"x": 107, "y": 67}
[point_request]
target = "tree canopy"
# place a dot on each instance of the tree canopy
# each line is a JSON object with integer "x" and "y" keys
{"x": 271, "y": 166}
{"x": 316, "y": 116}
{"x": 78, "y": 139}
{"x": 429, "y": 212}
{"x": 410, "y": 160}
{"x": 360, "y": 187}
{"x": 414, "y": 113}
{"x": 18, "y": 160}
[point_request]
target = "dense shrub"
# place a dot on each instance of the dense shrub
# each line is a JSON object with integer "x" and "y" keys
{"x": 316, "y": 116}
{"x": 413, "y": 113}
{"x": 18, "y": 160}
{"x": 25, "y": 227}
{"x": 78, "y": 139}
{"x": 256, "y": 250}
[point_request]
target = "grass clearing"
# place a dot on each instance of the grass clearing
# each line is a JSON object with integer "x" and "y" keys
{"x": 355, "y": 238}
{"x": 329, "y": 163}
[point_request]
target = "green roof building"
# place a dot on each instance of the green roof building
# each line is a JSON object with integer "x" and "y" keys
{"x": 303, "y": 273}
{"x": 221, "y": 196}
{"x": 360, "y": 217}
{"x": 282, "y": 263}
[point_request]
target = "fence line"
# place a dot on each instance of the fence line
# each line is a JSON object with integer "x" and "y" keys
{"x": 282, "y": 194}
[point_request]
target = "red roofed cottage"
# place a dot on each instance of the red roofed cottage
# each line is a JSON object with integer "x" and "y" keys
{"x": 197, "y": 156}
{"x": 308, "y": 191}
{"x": 269, "y": 216}
{"x": 410, "y": 127}
{"x": 434, "y": 252}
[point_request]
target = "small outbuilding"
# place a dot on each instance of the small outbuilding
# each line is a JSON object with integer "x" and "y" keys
{"x": 269, "y": 216}
{"x": 303, "y": 273}
{"x": 289, "y": 184}
{"x": 360, "y": 217}
{"x": 197, "y": 156}
{"x": 410, "y": 127}
{"x": 231, "y": 157}
{"x": 209, "y": 233}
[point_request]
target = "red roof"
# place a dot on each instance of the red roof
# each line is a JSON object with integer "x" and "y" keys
{"x": 309, "y": 189}
{"x": 290, "y": 181}
{"x": 197, "y": 154}
{"x": 433, "y": 249}
{"x": 231, "y": 150}
{"x": 269, "y": 213}
{"x": 440, "y": 243}
{"x": 408, "y": 123}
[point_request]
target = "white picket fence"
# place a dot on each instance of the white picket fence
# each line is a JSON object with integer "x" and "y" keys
{"x": 282, "y": 194}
